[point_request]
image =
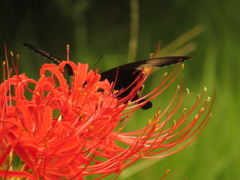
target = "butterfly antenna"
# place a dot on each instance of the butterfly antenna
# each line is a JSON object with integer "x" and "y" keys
{"x": 97, "y": 61}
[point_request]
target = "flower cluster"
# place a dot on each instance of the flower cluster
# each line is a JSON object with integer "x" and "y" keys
{"x": 52, "y": 130}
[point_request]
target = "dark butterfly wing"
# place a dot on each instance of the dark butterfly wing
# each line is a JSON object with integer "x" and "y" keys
{"x": 124, "y": 75}
{"x": 130, "y": 68}
{"x": 49, "y": 56}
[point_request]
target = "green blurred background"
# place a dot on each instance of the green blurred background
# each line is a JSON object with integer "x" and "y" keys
{"x": 95, "y": 28}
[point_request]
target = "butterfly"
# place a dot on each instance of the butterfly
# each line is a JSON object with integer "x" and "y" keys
{"x": 123, "y": 76}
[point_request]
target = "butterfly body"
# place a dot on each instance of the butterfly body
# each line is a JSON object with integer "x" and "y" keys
{"x": 123, "y": 76}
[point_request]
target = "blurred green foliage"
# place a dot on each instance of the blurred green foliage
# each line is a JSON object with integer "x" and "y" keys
{"x": 95, "y": 28}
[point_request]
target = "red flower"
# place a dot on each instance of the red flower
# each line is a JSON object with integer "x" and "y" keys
{"x": 60, "y": 131}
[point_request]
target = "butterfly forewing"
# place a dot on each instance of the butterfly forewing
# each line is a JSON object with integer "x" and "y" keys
{"x": 125, "y": 75}
{"x": 154, "y": 62}
{"x": 49, "y": 56}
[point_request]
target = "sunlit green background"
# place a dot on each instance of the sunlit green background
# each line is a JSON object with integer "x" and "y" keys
{"x": 95, "y": 28}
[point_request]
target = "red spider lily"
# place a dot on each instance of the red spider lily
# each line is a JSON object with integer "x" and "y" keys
{"x": 64, "y": 131}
